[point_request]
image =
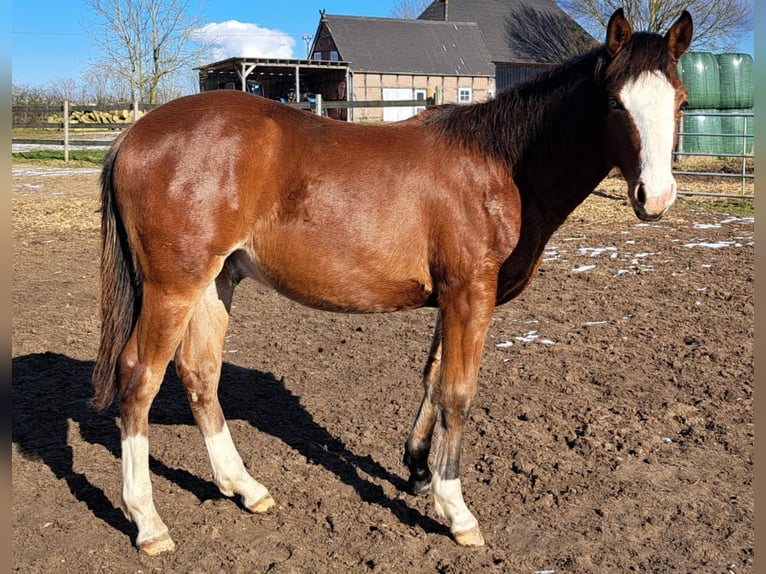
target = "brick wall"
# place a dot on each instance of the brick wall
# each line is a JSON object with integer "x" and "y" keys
{"x": 369, "y": 87}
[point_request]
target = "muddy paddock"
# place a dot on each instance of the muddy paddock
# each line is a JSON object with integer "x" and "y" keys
{"x": 612, "y": 431}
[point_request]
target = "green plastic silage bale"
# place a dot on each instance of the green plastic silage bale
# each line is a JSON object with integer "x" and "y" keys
{"x": 736, "y": 78}
{"x": 701, "y": 133}
{"x": 737, "y": 131}
{"x": 699, "y": 73}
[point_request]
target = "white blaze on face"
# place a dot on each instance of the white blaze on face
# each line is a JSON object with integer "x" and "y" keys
{"x": 650, "y": 101}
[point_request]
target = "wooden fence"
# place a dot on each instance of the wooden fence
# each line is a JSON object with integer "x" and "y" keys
{"x": 66, "y": 118}
{"x": 36, "y": 117}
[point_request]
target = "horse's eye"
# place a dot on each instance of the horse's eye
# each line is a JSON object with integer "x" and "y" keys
{"x": 614, "y": 103}
{"x": 684, "y": 106}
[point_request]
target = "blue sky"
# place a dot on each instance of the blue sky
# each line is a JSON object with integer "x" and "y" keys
{"x": 49, "y": 39}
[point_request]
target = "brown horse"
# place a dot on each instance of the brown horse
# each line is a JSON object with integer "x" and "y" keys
{"x": 451, "y": 209}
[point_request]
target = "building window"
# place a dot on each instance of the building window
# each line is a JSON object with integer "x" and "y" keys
{"x": 333, "y": 56}
{"x": 420, "y": 95}
{"x": 317, "y": 55}
{"x": 464, "y": 95}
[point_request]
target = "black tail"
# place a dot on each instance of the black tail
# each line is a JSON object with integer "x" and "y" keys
{"x": 120, "y": 290}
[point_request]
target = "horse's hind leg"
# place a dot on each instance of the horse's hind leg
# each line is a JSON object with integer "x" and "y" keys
{"x": 418, "y": 444}
{"x": 142, "y": 366}
{"x": 198, "y": 363}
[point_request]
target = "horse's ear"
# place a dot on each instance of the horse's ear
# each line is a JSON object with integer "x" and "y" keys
{"x": 680, "y": 35}
{"x": 618, "y": 32}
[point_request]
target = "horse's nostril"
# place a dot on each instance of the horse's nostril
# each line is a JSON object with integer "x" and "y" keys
{"x": 641, "y": 194}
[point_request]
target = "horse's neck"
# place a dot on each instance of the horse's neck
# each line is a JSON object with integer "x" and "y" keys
{"x": 561, "y": 156}
{"x": 557, "y": 158}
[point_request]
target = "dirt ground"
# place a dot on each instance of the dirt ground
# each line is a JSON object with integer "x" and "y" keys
{"x": 612, "y": 432}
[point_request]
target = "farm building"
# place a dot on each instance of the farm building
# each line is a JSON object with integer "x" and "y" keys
{"x": 395, "y": 59}
{"x": 523, "y": 37}
{"x": 464, "y": 50}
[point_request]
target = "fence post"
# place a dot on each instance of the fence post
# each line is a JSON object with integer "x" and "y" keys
{"x": 318, "y": 104}
{"x": 744, "y": 151}
{"x": 66, "y": 131}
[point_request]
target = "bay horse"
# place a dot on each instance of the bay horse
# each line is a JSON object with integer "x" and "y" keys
{"x": 451, "y": 209}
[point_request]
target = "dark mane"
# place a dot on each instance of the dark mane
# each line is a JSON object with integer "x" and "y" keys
{"x": 571, "y": 95}
{"x": 511, "y": 126}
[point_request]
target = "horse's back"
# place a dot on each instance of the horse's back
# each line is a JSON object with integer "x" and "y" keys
{"x": 335, "y": 215}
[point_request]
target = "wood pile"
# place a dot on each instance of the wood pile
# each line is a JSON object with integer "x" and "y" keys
{"x": 96, "y": 117}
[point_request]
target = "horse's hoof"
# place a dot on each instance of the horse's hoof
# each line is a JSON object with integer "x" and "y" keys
{"x": 262, "y": 505}
{"x": 470, "y": 537}
{"x": 419, "y": 487}
{"x": 158, "y": 545}
{"x": 419, "y": 481}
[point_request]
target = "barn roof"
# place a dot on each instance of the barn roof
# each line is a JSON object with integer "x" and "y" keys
{"x": 533, "y": 31}
{"x": 389, "y": 45}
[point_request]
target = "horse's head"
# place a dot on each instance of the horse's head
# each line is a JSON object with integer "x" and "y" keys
{"x": 645, "y": 100}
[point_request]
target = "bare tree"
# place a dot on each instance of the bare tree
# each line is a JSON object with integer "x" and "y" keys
{"x": 144, "y": 42}
{"x": 103, "y": 89}
{"x": 542, "y": 36}
{"x": 67, "y": 89}
{"x": 718, "y": 24}
{"x": 25, "y": 95}
{"x": 409, "y": 9}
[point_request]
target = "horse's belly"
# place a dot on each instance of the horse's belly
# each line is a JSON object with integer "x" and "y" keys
{"x": 341, "y": 279}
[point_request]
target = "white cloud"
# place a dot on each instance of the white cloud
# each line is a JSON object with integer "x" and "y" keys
{"x": 238, "y": 39}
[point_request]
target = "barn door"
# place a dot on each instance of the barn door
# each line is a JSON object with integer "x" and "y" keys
{"x": 398, "y": 113}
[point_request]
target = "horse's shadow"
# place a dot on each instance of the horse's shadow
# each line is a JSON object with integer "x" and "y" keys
{"x": 49, "y": 389}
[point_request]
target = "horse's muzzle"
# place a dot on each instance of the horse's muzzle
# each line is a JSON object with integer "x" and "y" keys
{"x": 650, "y": 204}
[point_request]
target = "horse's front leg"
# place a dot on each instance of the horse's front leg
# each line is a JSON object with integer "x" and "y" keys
{"x": 466, "y": 315}
{"x": 418, "y": 445}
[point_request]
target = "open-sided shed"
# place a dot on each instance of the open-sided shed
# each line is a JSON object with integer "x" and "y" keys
{"x": 288, "y": 80}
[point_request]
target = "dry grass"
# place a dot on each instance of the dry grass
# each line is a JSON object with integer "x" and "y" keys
{"x": 53, "y": 199}
{"x": 609, "y": 201}
{"x": 714, "y": 164}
